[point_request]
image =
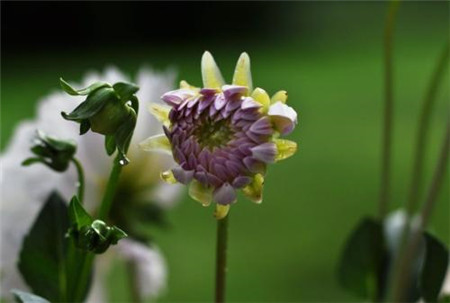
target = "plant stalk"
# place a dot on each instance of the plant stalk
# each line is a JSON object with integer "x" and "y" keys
{"x": 80, "y": 185}
{"x": 388, "y": 108}
{"x": 135, "y": 294}
{"x": 221, "y": 261}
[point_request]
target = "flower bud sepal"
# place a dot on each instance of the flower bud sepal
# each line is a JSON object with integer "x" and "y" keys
{"x": 54, "y": 152}
{"x": 110, "y": 110}
{"x": 89, "y": 234}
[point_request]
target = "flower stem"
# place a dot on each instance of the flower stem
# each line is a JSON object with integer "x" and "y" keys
{"x": 108, "y": 197}
{"x": 388, "y": 105}
{"x": 413, "y": 246}
{"x": 135, "y": 295}
{"x": 221, "y": 261}
{"x": 80, "y": 184}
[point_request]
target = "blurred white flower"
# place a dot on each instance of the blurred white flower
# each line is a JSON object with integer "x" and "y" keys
{"x": 25, "y": 189}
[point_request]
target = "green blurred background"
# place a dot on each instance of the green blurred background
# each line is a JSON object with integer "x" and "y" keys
{"x": 327, "y": 55}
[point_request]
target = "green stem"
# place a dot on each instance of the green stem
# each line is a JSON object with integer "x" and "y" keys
{"x": 108, "y": 197}
{"x": 388, "y": 105}
{"x": 423, "y": 129}
{"x": 221, "y": 261}
{"x": 413, "y": 246}
{"x": 80, "y": 184}
{"x": 135, "y": 294}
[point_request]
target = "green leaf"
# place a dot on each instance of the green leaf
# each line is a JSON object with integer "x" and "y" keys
{"x": 434, "y": 268}
{"x": 362, "y": 259}
{"x": 77, "y": 214}
{"x": 110, "y": 144}
{"x": 92, "y": 105}
{"x": 116, "y": 234}
{"x": 31, "y": 161}
{"x": 123, "y": 137}
{"x": 42, "y": 258}
{"x": 25, "y": 297}
{"x": 125, "y": 90}
{"x": 85, "y": 125}
{"x": 48, "y": 261}
{"x": 82, "y": 92}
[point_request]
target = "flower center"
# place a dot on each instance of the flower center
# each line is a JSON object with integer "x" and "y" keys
{"x": 211, "y": 133}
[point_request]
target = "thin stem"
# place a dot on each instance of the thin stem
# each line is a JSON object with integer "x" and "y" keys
{"x": 83, "y": 280}
{"x": 424, "y": 217}
{"x": 80, "y": 184}
{"x": 221, "y": 261}
{"x": 108, "y": 197}
{"x": 135, "y": 294}
{"x": 423, "y": 129}
{"x": 388, "y": 106}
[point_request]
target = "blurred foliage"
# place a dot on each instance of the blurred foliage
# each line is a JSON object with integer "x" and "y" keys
{"x": 328, "y": 56}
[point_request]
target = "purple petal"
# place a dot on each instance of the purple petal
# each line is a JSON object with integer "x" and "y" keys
{"x": 250, "y": 103}
{"x": 220, "y": 102}
{"x": 208, "y": 91}
{"x": 231, "y": 90}
{"x": 175, "y": 97}
{"x": 262, "y": 127}
{"x": 183, "y": 176}
{"x": 265, "y": 152}
{"x": 254, "y": 165}
{"x": 213, "y": 180}
{"x": 225, "y": 194}
{"x": 284, "y": 117}
{"x": 241, "y": 181}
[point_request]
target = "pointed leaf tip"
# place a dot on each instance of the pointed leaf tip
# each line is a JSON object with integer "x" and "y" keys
{"x": 242, "y": 73}
{"x": 212, "y": 78}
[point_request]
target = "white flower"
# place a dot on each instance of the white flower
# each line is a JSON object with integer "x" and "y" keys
{"x": 25, "y": 189}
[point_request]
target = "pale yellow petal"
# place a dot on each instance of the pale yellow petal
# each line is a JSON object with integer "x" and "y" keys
{"x": 221, "y": 211}
{"x": 158, "y": 143}
{"x": 261, "y": 96}
{"x": 200, "y": 193}
{"x": 212, "y": 78}
{"x": 160, "y": 112}
{"x": 285, "y": 149}
{"x": 185, "y": 85}
{"x": 168, "y": 177}
{"x": 242, "y": 73}
{"x": 279, "y": 96}
{"x": 253, "y": 191}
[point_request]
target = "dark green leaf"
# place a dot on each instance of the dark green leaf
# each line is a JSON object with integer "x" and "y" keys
{"x": 25, "y": 297}
{"x": 125, "y": 90}
{"x": 92, "y": 105}
{"x": 77, "y": 214}
{"x": 362, "y": 259}
{"x": 110, "y": 144}
{"x": 85, "y": 91}
{"x": 85, "y": 125}
{"x": 42, "y": 258}
{"x": 434, "y": 268}
{"x": 116, "y": 234}
{"x": 123, "y": 136}
{"x": 30, "y": 161}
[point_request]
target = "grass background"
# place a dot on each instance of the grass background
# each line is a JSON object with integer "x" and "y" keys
{"x": 328, "y": 56}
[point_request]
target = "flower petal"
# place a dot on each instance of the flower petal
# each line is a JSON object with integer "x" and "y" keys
{"x": 200, "y": 192}
{"x": 176, "y": 97}
{"x": 242, "y": 73}
{"x": 279, "y": 96}
{"x": 284, "y": 118}
{"x": 241, "y": 181}
{"x": 168, "y": 177}
{"x": 265, "y": 152}
{"x": 231, "y": 90}
{"x": 253, "y": 191}
{"x": 158, "y": 143}
{"x": 260, "y": 96}
{"x": 212, "y": 78}
{"x": 262, "y": 126}
{"x": 221, "y": 211}
{"x": 160, "y": 112}
{"x": 285, "y": 149}
{"x": 225, "y": 194}
{"x": 183, "y": 176}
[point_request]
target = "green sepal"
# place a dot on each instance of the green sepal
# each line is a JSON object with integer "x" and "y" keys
{"x": 85, "y": 125}
{"x": 362, "y": 259}
{"x": 110, "y": 144}
{"x": 77, "y": 214}
{"x": 84, "y": 91}
{"x": 54, "y": 152}
{"x": 434, "y": 268}
{"x": 125, "y": 90}
{"x": 92, "y": 105}
{"x": 25, "y": 297}
{"x": 123, "y": 137}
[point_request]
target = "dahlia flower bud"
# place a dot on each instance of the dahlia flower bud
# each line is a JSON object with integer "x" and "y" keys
{"x": 223, "y": 136}
{"x": 54, "y": 152}
{"x": 110, "y": 110}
